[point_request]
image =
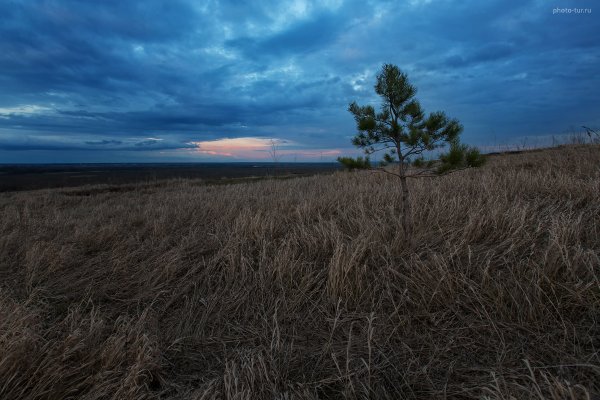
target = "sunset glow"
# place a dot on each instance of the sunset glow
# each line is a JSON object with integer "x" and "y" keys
{"x": 236, "y": 147}
{"x": 257, "y": 148}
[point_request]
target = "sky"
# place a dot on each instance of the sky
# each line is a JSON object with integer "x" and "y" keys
{"x": 183, "y": 80}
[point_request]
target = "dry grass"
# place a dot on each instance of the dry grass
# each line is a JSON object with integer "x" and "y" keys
{"x": 305, "y": 289}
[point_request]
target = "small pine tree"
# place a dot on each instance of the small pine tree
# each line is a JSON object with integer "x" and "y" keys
{"x": 354, "y": 163}
{"x": 403, "y": 132}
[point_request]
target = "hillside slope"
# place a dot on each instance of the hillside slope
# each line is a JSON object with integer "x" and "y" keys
{"x": 305, "y": 288}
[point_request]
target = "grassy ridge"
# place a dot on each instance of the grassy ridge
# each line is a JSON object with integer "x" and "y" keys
{"x": 305, "y": 289}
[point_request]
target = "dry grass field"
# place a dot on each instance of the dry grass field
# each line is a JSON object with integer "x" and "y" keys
{"x": 306, "y": 289}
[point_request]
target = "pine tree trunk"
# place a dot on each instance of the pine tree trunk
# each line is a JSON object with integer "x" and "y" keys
{"x": 406, "y": 211}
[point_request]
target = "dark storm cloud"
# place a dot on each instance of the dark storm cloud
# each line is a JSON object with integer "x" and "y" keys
{"x": 302, "y": 37}
{"x": 487, "y": 53}
{"x": 154, "y": 75}
{"x": 54, "y": 45}
{"x": 28, "y": 142}
{"x": 148, "y": 142}
{"x": 103, "y": 142}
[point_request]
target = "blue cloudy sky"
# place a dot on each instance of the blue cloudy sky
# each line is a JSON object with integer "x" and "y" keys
{"x": 183, "y": 80}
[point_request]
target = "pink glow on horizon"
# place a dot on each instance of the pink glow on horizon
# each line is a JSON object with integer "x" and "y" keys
{"x": 255, "y": 148}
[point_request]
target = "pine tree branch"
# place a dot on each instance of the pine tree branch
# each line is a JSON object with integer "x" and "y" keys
{"x": 386, "y": 171}
{"x": 438, "y": 175}
{"x": 419, "y": 148}
{"x": 383, "y": 121}
{"x": 382, "y": 148}
{"x": 422, "y": 174}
